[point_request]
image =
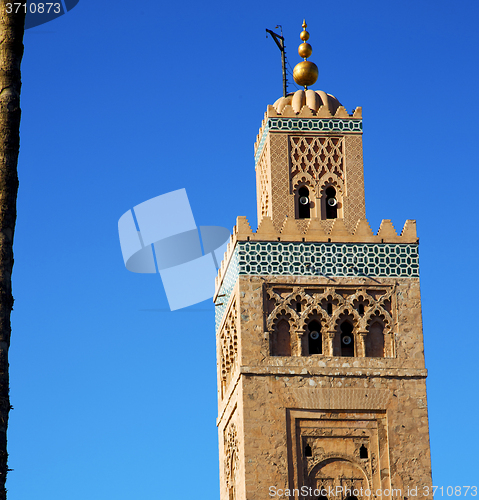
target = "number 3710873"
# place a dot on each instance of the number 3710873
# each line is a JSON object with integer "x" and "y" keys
{"x": 33, "y": 8}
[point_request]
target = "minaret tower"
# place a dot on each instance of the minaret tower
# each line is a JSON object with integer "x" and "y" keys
{"x": 321, "y": 377}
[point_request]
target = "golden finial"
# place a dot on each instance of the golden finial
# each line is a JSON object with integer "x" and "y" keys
{"x": 306, "y": 72}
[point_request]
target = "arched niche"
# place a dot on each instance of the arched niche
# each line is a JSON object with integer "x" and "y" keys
{"x": 375, "y": 340}
{"x": 281, "y": 339}
{"x": 339, "y": 471}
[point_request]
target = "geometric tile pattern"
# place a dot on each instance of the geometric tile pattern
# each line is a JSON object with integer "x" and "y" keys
{"x": 259, "y": 150}
{"x": 227, "y": 286}
{"x": 330, "y": 259}
{"x": 276, "y": 258}
{"x": 307, "y": 125}
{"x": 315, "y": 124}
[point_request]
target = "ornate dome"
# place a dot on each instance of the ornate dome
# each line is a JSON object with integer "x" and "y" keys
{"x": 314, "y": 99}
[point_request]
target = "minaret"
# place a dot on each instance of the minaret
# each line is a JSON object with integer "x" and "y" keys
{"x": 321, "y": 376}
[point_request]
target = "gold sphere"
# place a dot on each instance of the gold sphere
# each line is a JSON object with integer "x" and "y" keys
{"x": 305, "y": 50}
{"x": 305, "y": 73}
{"x": 304, "y": 35}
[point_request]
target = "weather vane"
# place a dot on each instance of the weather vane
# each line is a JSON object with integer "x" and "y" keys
{"x": 279, "y": 39}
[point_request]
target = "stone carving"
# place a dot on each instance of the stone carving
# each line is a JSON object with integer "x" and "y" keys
{"x": 228, "y": 340}
{"x": 331, "y": 306}
{"x": 231, "y": 455}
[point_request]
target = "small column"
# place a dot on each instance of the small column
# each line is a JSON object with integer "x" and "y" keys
{"x": 329, "y": 348}
{"x": 361, "y": 347}
{"x": 388, "y": 344}
{"x": 298, "y": 351}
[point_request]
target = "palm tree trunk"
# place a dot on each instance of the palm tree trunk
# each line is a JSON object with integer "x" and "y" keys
{"x": 11, "y": 52}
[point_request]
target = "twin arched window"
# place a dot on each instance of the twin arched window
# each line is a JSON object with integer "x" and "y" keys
{"x": 329, "y": 205}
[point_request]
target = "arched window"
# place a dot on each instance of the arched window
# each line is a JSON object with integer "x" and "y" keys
{"x": 304, "y": 208}
{"x": 347, "y": 339}
{"x": 315, "y": 339}
{"x": 363, "y": 452}
{"x": 331, "y": 203}
{"x": 281, "y": 341}
{"x": 375, "y": 341}
{"x": 307, "y": 451}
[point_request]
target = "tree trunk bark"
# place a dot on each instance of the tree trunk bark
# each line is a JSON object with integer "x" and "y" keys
{"x": 11, "y": 52}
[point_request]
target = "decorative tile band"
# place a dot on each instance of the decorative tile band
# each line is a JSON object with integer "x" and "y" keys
{"x": 307, "y": 125}
{"x": 227, "y": 286}
{"x": 271, "y": 258}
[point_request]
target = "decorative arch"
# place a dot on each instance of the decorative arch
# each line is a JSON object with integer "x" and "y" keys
{"x": 345, "y": 321}
{"x": 303, "y": 179}
{"x": 332, "y": 182}
{"x": 375, "y": 345}
{"x": 283, "y": 311}
{"x": 333, "y": 298}
{"x": 311, "y": 312}
{"x": 299, "y": 297}
{"x": 304, "y": 187}
{"x": 380, "y": 313}
{"x": 280, "y": 337}
{"x": 359, "y": 300}
{"x": 342, "y": 469}
{"x": 345, "y": 310}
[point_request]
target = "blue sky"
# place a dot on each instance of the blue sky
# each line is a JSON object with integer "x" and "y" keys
{"x": 114, "y": 396}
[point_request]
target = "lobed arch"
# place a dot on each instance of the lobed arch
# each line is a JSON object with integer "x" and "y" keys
{"x": 303, "y": 179}
{"x": 361, "y": 296}
{"x": 376, "y": 313}
{"x": 284, "y": 312}
{"x": 339, "y": 316}
{"x": 314, "y": 312}
{"x": 299, "y": 296}
{"x": 331, "y": 294}
{"x": 330, "y": 180}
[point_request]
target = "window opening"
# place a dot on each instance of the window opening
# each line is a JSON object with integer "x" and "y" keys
{"x": 347, "y": 339}
{"x": 304, "y": 209}
{"x": 363, "y": 452}
{"x": 331, "y": 203}
{"x": 315, "y": 339}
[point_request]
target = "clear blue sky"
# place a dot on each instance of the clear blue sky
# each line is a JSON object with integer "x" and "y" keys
{"x": 114, "y": 396}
